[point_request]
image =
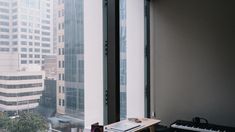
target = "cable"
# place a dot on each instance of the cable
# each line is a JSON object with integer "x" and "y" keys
{"x": 197, "y": 120}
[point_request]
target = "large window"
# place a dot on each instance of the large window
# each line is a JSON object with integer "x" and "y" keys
{"x": 64, "y": 42}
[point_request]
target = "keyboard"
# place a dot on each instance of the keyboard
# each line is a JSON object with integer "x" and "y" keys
{"x": 187, "y": 126}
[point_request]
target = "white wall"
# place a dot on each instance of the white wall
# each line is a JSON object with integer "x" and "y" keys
{"x": 135, "y": 58}
{"x": 93, "y": 56}
{"x": 193, "y": 60}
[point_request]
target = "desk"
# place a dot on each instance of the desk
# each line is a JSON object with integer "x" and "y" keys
{"x": 145, "y": 123}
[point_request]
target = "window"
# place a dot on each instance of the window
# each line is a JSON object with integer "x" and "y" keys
{"x": 15, "y": 36}
{"x": 46, "y": 33}
{"x": 23, "y": 42}
{"x": 4, "y": 23}
{"x": 24, "y": 49}
{"x": 37, "y": 61}
{"x": 24, "y": 23}
{"x": 4, "y": 36}
{"x": 23, "y": 30}
{"x": 36, "y": 56}
{"x": 59, "y": 76}
{"x": 59, "y": 64}
{"x": 37, "y": 31}
{"x": 23, "y": 55}
{"x": 63, "y": 89}
{"x": 59, "y": 102}
{"x": 45, "y": 45}
{"x": 14, "y": 42}
{"x": 4, "y": 17}
{"x": 4, "y": 30}
{"x": 45, "y": 39}
{"x": 31, "y": 3}
{"x": 14, "y": 30}
{"x": 4, "y": 10}
{"x": 23, "y": 36}
{"x": 4, "y": 43}
{"x": 37, "y": 37}
{"x": 4, "y": 49}
{"x": 36, "y": 50}
{"x": 24, "y": 62}
{"x": 37, "y": 44}
{"x": 76, "y": 33}
{"x": 45, "y": 51}
{"x": 59, "y": 89}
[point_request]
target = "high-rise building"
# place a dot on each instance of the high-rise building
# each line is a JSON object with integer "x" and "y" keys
{"x": 20, "y": 87}
{"x": 47, "y": 104}
{"x": 5, "y": 22}
{"x": 26, "y": 29}
{"x": 59, "y": 38}
{"x": 70, "y": 49}
{"x": 74, "y": 58}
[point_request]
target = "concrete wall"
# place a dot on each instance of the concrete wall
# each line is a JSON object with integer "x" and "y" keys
{"x": 193, "y": 60}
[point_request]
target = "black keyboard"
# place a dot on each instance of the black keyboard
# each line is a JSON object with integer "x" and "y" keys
{"x": 187, "y": 126}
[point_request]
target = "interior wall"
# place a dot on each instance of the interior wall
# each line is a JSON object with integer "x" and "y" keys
{"x": 193, "y": 60}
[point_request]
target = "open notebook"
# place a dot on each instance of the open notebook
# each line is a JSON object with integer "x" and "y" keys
{"x": 124, "y": 126}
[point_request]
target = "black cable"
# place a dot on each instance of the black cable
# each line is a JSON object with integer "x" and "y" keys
{"x": 197, "y": 120}
{"x": 206, "y": 121}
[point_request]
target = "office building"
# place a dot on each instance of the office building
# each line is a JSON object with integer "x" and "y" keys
{"x": 70, "y": 70}
{"x": 47, "y": 104}
{"x": 20, "y": 87}
{"x": 59, "y": 40}
{"x": 5, "y": 22}
{"x": 73, "y": 58}
{"x": 26, "y": 29}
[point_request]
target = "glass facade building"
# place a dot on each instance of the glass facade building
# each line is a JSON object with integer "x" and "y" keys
{"x": 74, "y": 58}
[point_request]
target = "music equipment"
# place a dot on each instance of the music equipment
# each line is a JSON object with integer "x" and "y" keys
{"x": 97, "y": 128}
{"x": 188, "y": 126}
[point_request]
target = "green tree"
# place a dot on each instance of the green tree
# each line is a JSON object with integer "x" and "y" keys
{"x": 26, "y": 122}
{"x": 4, "y": 122}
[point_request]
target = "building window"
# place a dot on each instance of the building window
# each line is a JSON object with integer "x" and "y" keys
{"x": 59, "y": 76}
{"x": 59, "y": 64}
{"x": 59, "y": 89}
{"x": 63, "y": 102}
{"x": 59, "y": 102}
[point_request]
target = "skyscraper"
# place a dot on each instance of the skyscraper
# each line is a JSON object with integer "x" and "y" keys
{"x": 74, "y": 59}
{"x": 70, "y": 58}
{"x": 26, "y": 29}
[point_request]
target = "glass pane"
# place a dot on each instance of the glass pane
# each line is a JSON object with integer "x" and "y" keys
{"x": 42, "y": 64}
{"x": 123, "y": 60}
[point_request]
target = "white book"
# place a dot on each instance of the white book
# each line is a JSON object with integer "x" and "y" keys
{"x": 124, "y": 126}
